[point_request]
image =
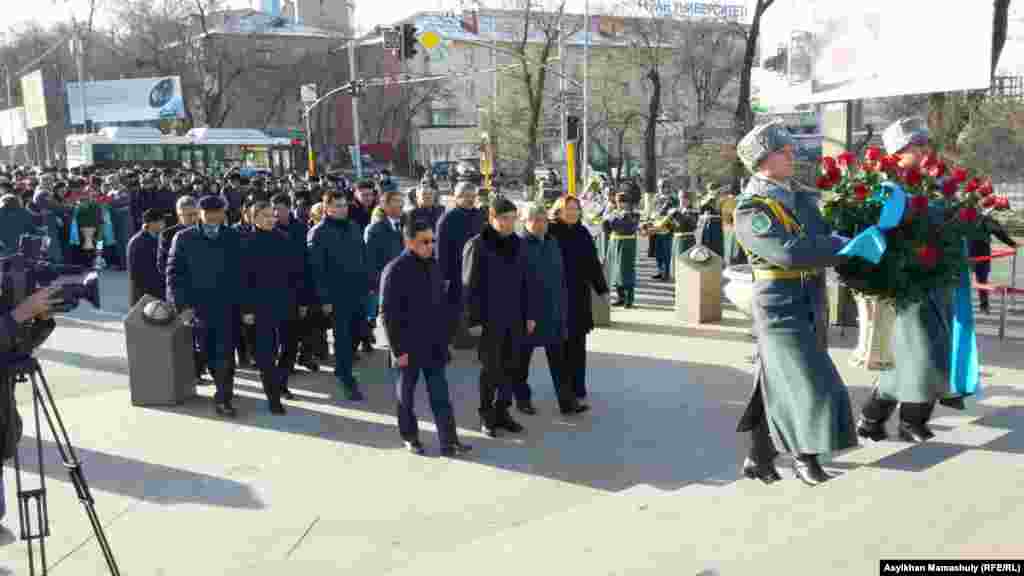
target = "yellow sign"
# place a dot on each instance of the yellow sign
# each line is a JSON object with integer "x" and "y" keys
{"x": 33, "y": 96}
{"x": 570, "y": 154}
{"x": 429, "y": 39}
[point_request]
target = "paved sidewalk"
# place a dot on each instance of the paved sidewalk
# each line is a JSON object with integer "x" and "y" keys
{"x": 645, "y": 483}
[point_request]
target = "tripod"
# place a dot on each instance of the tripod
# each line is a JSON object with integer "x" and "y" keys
{"x": 33, "y": 513}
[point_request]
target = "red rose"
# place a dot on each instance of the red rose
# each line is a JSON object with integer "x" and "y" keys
{"x": 834, "y": 175}
{"x": 825, "y": 183}
{"x": 912, "y": 176}
{"x": 968, "y": 215}
{"x": 846, "y": 160}
{"x": 928, "y": 256}
{"x": 828, "y": 163}
{"x": 985, "y": 189}
{"x": 937, "y": 169}
{"x": 919, "y": 204}
{"x": 988, "y": 201}
{"x": 949, "y": 187}
{"x": 861, "y": 192}
{"x": 873, "y": 154}
{"x": 1002, "y": 203}
{"x": 959, "y": 175}
{"x": 890, "y": 163}
{"x": 972, "y": 185}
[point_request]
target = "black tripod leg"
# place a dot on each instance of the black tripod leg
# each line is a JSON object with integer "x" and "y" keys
{"x": 71, "y": 462}
{"x": 32, "y": 499}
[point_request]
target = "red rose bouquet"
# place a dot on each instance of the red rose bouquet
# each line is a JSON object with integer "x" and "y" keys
{"x": 926, "y": 250}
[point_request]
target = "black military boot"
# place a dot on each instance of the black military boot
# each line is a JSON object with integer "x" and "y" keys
{"x": 760, "y": 464}
{"x": 873, "y": 416}
{"x": 914, "y": 422}
{"x": 453, "y": 448}
{"x": 620, "y": 297}
{"x": 504, "y": 419}
{"x": 488, "y": 422}
{"x": 808, "y": 470}
{"x": 629, "y": 297}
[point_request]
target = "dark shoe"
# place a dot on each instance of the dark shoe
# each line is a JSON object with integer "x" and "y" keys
{"x": 578, "y": 409}
{"x": 415, "y": 446}
{"x": 808, "y": 470}
{"x": 226, "y": 410}
{"x": 527, "y": 408}
{"x": 490, "y": 431}
{"x": 765, "y": 472}
{"x": 658, "y": 276}
{"x": 287, "y": 394}
{"x": 618, "y": 302}
{"x": 276, "y": 407}
{"x": 310, "y": 365}
{"x": 916, "y": 433}
{"x": 367, "y": 346}
{"x": 505, "y": 421}
{"x": 455, "y": 449}
{"x": 871, "y": 429}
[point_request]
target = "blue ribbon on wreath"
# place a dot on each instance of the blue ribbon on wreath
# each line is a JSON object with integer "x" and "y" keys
{"x": 964, "y": 368}
{"x": 870, "y": 244}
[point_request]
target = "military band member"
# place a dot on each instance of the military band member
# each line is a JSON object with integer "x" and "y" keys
{"x": 683, "y": 223}
{"x": 799, "y": 404}
{"x": 622, "y": 229}
{"x": 664, "y": 203}
{"x": 920, "y": 374}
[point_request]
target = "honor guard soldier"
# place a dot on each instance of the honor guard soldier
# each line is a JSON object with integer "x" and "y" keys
{"x": 622, "y": 229}
{"x": 920, "y": 373}
{"x": 664, "y": 203}
{"x": 203, "y": 282}
{"x": 799, "y": 403}
{"x": 683, "y": 223}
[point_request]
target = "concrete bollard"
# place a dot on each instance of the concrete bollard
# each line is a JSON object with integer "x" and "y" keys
{"x": 699, "y": 286}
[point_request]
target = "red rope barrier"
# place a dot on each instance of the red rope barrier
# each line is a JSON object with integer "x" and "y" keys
{"x": 995, "y": 254}
{"x": 997, "y": 288}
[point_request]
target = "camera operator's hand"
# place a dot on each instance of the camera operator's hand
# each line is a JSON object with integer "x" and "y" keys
{"x": 37, "y": 305}
{"x": 249, "y": 319}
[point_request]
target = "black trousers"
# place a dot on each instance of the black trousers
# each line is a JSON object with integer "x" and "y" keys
{"x": 563, "y": 387}
{"x": 500, "y": 356}
{"x": 440, "y": 403}
{"x": 265, "y": 336}
{"x": 574, "y": 364}
{"x": 981, "y": 272}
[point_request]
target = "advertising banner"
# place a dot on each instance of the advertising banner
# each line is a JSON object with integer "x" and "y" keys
{"x": 830, "y": 51}
{"x": 12, "y": 127}
{"x": 134, "y": 100}
{"x": 33, "y": 97}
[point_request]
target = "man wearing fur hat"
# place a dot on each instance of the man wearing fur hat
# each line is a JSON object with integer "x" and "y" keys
{"x": 799, "y": 404}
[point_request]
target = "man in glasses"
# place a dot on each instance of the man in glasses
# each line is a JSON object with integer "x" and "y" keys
{"x": 412, "y": 309}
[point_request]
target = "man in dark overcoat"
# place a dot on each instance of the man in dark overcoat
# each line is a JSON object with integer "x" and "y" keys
{"x": 383, "y": 244}
{"x": 203, "y": 282}
{"x": 498, "y": 297}
{"x": 144, "y": 275}
{"x": 411, "y": 308}
{"x": 337, "y": 259}
{"x": 454, "y": 229}
{"x": 297, "y": 329}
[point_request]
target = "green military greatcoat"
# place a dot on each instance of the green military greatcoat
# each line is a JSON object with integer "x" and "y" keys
{"x": 622, "y": 235}
{"x": 805, "y": 403}
{"x": 684, "y": 224}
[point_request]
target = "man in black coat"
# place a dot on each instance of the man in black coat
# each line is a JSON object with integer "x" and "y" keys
{"x": 365, "y": 201}
{"x": 297, "y": 328}
{"x": 426, "y": 207}
{"x": 498, "y": 297}
{"x": 383, "y": 244}
{"x": 188, "y": 215}
{"x": 411, "y": 307}
{"x": 337, "y": 258}
{"x": 982, "y": 247}
{"x": 454, "y": 229}
{"x": 144, "y": 275}
{"x": 203, "y": 282}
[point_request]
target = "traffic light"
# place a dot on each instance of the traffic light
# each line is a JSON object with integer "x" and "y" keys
{"x": 572, "y": 127}
{"x": 408, "y": 41}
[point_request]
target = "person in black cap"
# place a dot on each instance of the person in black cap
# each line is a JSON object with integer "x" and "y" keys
{"x": 497, "y": 295}
{"x": 203, "y": 282}
{"x": 144, "y": 276}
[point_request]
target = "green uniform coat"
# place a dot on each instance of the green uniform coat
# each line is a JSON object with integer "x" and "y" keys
{"x": 622, "y": 252}
{"x": 796, "y": 387}
{"x": 684, "y": 224}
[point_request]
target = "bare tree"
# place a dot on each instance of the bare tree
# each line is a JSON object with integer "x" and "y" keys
{"x": 744, "y": 115}
{"x": 617, "y": 111}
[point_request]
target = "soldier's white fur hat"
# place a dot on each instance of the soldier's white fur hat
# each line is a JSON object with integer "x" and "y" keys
{"x": 905, "y": 132}
{"x": 762, "y": 141}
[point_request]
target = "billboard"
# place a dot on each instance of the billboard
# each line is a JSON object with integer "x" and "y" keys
{"x": 134, "y": 100}
{"x": 827, "y": 51}
{"x": 12, "y": 127}
{"x": 33, "y": 97}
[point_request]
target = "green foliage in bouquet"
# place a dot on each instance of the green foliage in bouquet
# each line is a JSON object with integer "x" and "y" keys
{"x": 926, "y": 251}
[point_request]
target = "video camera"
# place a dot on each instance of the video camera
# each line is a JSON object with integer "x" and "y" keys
{"x": 26, "y": 271}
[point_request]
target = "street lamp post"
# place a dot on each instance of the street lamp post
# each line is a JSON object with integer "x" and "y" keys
{"x": 585, "y": 141}
{"x": 357, "y": 157}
